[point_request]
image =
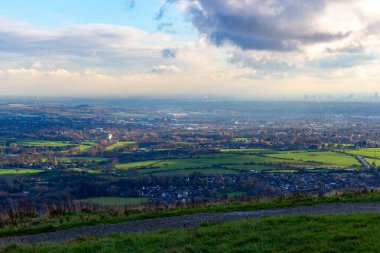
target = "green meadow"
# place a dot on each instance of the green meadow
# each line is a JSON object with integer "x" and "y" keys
{"x": 239, "y": 139}
{"x": 84, "y": 159}
{"x": 19, "y": 171}
{"x": 84, "y": 170}
{"x": 119, "y": 145}
{"x": 329, "y": 158}
{"x": 368, "y": 152}
{"x": 231, "y": 161}
{"x": 84, "y": 146}
{"x": 318, "y": 233}
{"x": 114, "y": 201}
{"x": 44, "y": 143}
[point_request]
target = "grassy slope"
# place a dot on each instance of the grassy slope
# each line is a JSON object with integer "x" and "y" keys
{"x": 43, "y": 224}
{"x": 343, "y": 233}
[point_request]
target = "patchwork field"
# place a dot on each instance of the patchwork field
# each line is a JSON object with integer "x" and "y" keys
{"x": 233, "y": 161}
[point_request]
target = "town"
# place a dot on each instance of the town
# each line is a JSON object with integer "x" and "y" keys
{"x": 169, "y": 151}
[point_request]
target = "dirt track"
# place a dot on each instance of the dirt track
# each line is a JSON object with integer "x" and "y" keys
{"x": 189, "y": 221}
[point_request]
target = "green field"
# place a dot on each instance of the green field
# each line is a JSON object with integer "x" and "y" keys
{"x": 239, "y": 139}
{"x": 44, "y": 143}
{"x": 248, "y": 151}
{"x": 84, "y": 146}
{"x": 231, "y": 162}
{"x": 191, "y": 171}
{"x": 114, "y": 201}
{"x": 18, "y": 171}
{"x": 119, "y": 144}
{"x": 83, "y": 158}
{"x": 84, "y": 170}
{"x": 327, "y": 233}
{"x": 368, "y": 152}
{"x": 327, "y": 158}
{"x": 213, "y": 163}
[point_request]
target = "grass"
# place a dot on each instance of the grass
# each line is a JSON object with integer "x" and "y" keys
{"x": 371, "y": 160}
{"x": 229, "y": 161}
{"x": 119, "y": 145}
{"x": 114, "y": 201}
{"x": 239, "y": 139}
{"x": 83, "y": 158}
{"x": 190, "y": 171}
{"x": 211, "y": 161}
{"x": 43, "y": 223}
{"x": 86, "y": 145}
{"x": 84, "y": 170}
{"x": 19, "y": 171}
{"x": 367, "y": 152}
{"x": 44, "y": 143}
{"x": 329, "y": 158}
{"x": 327, "y": 233}
{"x": 248, "y": 150}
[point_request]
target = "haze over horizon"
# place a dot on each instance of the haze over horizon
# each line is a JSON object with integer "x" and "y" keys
{"x": 246, "y": 49}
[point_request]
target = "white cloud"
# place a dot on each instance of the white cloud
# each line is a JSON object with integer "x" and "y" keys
{"x": 163, "y": 69}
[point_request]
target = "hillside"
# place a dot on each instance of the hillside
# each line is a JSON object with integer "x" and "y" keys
{"x": 328, "y": 233}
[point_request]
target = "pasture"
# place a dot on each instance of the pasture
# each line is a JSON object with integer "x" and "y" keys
{"x": 240, "y": 139}
{"x": 43, "y": 143}
{"x": 229, "y": 162}
{"x": 119, "y": 145}
{"x": 114, "y": 201}
{"x": 87, "y": 159}
{"x": 19, "y": 171}
{"x": 84, "y": 170}
{"x": 367, "y": 152}
{"x": 327, "y": 158}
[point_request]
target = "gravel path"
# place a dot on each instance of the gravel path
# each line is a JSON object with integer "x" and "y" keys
{"x": 190, "y": 221}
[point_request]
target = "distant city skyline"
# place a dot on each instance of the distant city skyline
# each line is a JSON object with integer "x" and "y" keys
{"x": 233, "y": 48}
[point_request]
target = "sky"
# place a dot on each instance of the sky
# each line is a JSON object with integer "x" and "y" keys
{"x": 231, "y": 48}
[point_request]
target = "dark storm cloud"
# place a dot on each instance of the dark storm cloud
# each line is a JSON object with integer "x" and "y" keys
{"x": 277, "y": 25}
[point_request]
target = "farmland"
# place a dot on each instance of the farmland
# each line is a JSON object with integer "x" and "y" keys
{"x": 119, "y": 144}
{"x": 254, "y": 159}
{"x": 18, "y": 171}
{"x": 114, "y": 201}
{"x": 328, "y": 158}
{"x": 173, "y": 151}
{"x": 43, "y": 143}
{"x": 367, "y": 152}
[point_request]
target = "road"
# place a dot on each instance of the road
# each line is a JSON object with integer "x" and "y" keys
{"x": 190, "y": 221}
{"x": 363, "y": 161}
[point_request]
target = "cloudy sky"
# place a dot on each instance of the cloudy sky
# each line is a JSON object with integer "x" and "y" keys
{"x": 239, "y": 48}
